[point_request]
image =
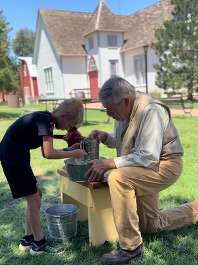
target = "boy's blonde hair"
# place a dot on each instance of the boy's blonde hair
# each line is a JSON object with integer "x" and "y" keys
{"x": 74, "y": 109}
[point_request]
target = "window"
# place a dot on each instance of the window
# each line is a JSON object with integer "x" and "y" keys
{"x": 113, "y": 67}
{"x": 112, "y": 40}
{"x": 139, "y": 69}
{"x": 49, "y": 80}
{"x": 24, "y": 70}
{"x": 92, "y": 64}
{"x": 91, "y": 44}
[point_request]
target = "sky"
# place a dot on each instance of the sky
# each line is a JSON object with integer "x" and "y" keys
{"x": 23, "y": 13}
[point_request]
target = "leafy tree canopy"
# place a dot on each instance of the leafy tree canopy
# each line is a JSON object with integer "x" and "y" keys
{"x": 177, "y": 48}
{"x": 23, "y": 44}
{"x": 9, "y": 78}
{"x": 4, "y": 30}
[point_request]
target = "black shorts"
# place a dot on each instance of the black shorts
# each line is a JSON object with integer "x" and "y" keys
{"x": 21, "y": 180}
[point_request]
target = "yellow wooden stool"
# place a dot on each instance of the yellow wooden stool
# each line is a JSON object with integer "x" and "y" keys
{"x": 94, "y": 202}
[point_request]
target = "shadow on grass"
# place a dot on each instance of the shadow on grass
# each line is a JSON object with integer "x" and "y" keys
{"x": 178, "y": 200}
{"x": 174, "y": 247}
{"x": 9, "y": 116}
{"x": 49, "y": 173}
{"x": 5, "y": 195}
{"x": 171, "y": 247}
{"x": 88, "y": 123}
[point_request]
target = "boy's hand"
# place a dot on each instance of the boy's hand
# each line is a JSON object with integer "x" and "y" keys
{"x": 74, "y": 146}
{"x": 78, "y": 153}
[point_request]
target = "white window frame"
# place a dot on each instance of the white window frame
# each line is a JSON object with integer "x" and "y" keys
{"x": 112, "y": 41}
{"x": 113, "y": 64}
{"x": 49, "y": 83}
{"x": 24, "y": 70}
{"x": 139, "y": 69}
{"x": 92, "y": 64}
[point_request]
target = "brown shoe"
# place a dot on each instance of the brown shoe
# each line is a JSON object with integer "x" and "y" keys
{"x": 120, "y": 255}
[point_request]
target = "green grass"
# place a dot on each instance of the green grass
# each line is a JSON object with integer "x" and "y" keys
{"x": 178, "y": 247}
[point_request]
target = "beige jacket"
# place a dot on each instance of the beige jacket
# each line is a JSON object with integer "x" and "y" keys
{"x": 128, "y": 137}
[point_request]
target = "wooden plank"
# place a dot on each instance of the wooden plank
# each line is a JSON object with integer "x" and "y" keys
{"x": 91, "y": 185}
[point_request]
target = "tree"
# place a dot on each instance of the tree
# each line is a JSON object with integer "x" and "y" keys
{"x": 177, "y": 48}
{"x": 9, "y": 77}
{"x": 23, "y": 44}
{"x": 4, "y": 43}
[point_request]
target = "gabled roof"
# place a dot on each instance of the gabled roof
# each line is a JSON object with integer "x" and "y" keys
{"x": 67, "y": 29}
{"x": 31, "y": 67}
{"x": 103, "y": 20}
{"x": 142, "y": 24}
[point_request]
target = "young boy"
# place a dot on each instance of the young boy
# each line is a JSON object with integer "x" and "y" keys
{"x": 29, "y": 132}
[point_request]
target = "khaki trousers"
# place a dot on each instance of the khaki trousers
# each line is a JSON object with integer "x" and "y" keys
{"x": 135, "y": 201}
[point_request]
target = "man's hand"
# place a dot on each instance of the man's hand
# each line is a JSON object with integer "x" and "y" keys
{"x": 96, "y": 134}
{"x": 98, "y": 168}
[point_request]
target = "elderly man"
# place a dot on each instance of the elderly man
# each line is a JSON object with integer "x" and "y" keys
{"x": 149, "y": 160}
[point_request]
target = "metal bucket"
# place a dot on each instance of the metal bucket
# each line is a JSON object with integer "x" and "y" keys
{"x": 62, "y": 221}
{"x": 76, "y": 169}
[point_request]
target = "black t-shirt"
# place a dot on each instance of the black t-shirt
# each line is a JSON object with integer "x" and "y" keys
{"x": 23, "y": 135}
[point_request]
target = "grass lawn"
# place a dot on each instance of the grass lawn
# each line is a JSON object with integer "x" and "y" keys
{"x": 177, "y": 247}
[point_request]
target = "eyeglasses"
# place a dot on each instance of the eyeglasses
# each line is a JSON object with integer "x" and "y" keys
{"x": 112, "y": 109}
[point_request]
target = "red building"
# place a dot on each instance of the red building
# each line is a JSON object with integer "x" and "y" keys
{"x": 28, "y": 80}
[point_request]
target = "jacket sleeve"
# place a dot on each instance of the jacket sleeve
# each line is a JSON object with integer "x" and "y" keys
{"x": 148, "y": 144}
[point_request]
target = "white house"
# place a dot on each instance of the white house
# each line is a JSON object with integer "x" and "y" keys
{"x": 79, "y": 51}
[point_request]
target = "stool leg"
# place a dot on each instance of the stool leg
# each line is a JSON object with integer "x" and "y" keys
{"x": 100, "y": 218}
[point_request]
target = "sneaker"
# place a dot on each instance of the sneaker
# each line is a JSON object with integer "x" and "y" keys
{"x": 24, "y": 244}
{"x": 48, "y": 247}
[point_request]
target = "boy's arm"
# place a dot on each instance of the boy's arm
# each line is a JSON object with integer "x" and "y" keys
{"x": 49, "y": 152}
